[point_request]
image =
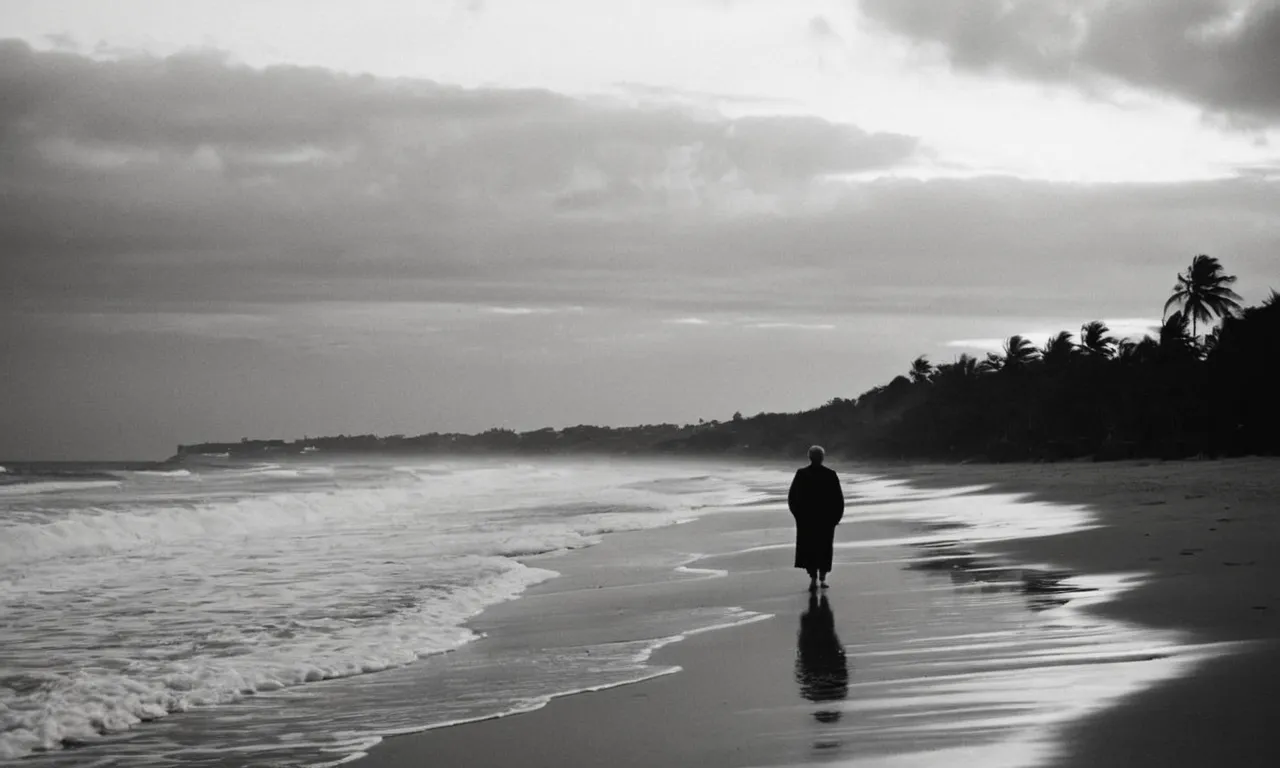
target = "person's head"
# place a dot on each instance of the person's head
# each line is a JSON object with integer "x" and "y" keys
{"x": 816, "y": 454}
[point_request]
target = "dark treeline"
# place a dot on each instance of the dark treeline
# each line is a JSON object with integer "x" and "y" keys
{"x": 1177, "y": 394}
{"x": 1192, "y": 389}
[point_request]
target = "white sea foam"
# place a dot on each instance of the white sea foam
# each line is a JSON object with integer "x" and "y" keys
{"x": 965, "y": 514}
{"x": 54, "y": 486}
{"x": 126, "y": 601}
{"x": 81, "y": 705}
{"x": 101, "y": 529}
{"x": 617, "y": 664}
{"x": 162, "y": 473}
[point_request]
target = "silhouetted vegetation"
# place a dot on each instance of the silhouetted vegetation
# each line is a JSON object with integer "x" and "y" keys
{"x": 1174, "y": 395}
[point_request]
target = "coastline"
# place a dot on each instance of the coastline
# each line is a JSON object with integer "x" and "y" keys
{"x": 1215, "y": 521}
{"x": 1213, "y": 715}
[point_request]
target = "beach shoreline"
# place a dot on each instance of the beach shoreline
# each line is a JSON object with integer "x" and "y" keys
{"x": 1164, "y": 725}
{"x": 1206, "y": 534}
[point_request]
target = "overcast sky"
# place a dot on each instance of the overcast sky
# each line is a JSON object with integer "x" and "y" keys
{"x": 270, "y": 218}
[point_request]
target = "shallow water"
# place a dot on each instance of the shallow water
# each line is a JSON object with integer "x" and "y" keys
{"x": 296, "y": 614}
{"x": 129, "y": 599}
{"x": 958, "y": 656}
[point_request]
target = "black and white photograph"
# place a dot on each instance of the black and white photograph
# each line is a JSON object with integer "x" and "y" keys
{"x": 639, "y": 383}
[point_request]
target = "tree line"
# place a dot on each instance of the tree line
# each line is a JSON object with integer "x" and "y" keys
{"x": 1204, "y": 384}
{"x": 1178, "y": 393}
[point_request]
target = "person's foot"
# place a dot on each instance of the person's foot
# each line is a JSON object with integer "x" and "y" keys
{"x": 823, "y": 585}
{"x": 813, "y": 586}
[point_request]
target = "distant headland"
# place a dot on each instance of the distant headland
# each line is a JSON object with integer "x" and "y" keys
{"x": 1177, "y": 394}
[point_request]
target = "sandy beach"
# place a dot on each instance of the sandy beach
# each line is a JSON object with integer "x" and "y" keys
{"x": 1204, "y": 532}
{"x": 1208, "y": 533}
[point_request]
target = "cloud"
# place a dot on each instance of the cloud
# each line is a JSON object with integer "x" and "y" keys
{"x": 143, "y": 184}
{"x": 302, "y": 326}
{"x": 255, "y": 122}
{"x": 140, "y": 177}
{"x": 1219, "y": 54}
{"x": 747, "y": 323}
{"x": 524, "y": 311}
{"x": 794, "y": 326}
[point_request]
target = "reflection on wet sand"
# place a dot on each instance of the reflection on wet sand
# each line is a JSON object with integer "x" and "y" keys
{"x": 822, "y": 670}
{"x": 1043, "y": 588}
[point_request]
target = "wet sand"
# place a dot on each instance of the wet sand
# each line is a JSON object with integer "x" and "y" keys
{"x": 1207, "y": 531}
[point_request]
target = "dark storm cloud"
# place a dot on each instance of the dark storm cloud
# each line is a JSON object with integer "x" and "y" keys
{"x": 201, "y": 98}
{"x": 194, "y": 177}
{"x": 1220, "y": 54}
{"x": 191, "y": 183}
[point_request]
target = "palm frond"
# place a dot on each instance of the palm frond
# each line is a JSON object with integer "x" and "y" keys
{"x": 1203, "y": 292}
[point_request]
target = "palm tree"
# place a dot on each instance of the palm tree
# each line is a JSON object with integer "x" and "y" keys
{"x": 1095, "y": 341}
{"x": 991, "y": 363}
{"x": 1246, "y": 329}
{"x": 921, "y": 369}
{"x": 1058, "y": 349}
{"x": 965, "y": 368}
{"x": 1174, "y": 336}
{"x": 1131, "y": 351}
{"x": 1018, "y": 352}
{"x": 1203, "y": 292}
{"x": 1212, "y": 338}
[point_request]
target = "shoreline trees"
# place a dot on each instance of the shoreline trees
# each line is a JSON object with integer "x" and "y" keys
{"x": 1204, "y": 292}
{"x": 1168, "y": 395}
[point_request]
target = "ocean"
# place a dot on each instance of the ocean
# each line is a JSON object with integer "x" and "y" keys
{"x": 272, "y": 614}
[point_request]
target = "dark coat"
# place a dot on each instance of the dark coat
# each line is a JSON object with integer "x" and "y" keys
{"x": 817, "y": 503}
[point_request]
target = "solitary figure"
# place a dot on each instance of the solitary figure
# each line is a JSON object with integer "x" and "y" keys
{"x": 817, "y": 503}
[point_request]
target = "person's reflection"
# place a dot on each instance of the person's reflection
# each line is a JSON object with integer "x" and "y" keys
{"x": 821, "y": 668}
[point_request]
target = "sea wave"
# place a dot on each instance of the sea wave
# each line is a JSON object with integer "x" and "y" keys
{"x": 101, "y": 530}
{"x": 189, "y": 594}
{"x": 162, "y": 473}
{"x": 98, "y": 530}
{"x": 36, "y": 487}
{"x": 49, "y": 710}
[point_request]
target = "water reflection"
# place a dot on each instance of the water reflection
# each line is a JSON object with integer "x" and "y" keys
{"x": 1043, "y": 588}
{"x": 821, "y": 668}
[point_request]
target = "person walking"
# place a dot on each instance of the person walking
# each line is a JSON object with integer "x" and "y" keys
{"x": 816, "y": 502}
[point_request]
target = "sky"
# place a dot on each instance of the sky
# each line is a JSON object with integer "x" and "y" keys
{"x": 278, "y": 218}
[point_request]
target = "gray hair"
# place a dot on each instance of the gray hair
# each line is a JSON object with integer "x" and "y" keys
{"x": 816, "y": 453}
